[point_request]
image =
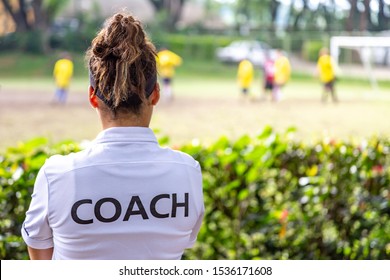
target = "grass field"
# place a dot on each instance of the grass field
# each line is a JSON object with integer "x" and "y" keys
{"x": 207, "y": 105}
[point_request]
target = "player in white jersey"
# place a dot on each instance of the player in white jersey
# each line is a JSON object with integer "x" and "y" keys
{"x": 123, "y": 197}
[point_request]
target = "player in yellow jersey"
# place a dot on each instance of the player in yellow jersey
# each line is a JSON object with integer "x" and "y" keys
{"x": 245, "y": 75}
{"x": 282, "y": 74}
{"x": 63, "y": 72}
{"x": 327, "y": 74}
{"x": 167, "y": 62}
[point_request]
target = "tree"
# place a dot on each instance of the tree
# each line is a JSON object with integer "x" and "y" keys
{"x": 258, "y": 14}
{"x": 300, "y": 15}
{"x": 158, "y": 4}
{"x": 359, "y": 17}
{"x": 173, "y": 9}
{"x": 383, "y": 18}
{"x": 18, "y": 12}
{"x": 33, "y": 17}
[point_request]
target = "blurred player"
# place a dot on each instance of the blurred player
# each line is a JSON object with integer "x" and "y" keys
{"x": 63, "y": 72}
{"x": 245, "y": 76}
{"x": 282, "y": 74}
{"x": 167, "y": 62}
{"x": 327, "y": 72}
{"x": 268, "y": 75}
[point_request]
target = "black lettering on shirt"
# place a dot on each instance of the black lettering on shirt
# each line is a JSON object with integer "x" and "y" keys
{"x": 175, "y": 205}
{"x": 141, "y": 209}
{"x": 135, "y": 207}
{"x": 153, "y": 209}
{"x": 75, "y": 207}
{"x": 98, "y": 206}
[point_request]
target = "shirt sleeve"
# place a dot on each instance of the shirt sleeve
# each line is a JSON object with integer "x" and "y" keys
{"x": 196, "y": 229}
{"x": 36, "y": 230}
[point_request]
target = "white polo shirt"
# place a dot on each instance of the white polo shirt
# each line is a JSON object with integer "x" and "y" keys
{"x": 124, "y": 197}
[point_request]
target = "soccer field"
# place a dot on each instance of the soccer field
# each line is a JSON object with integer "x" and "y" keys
{"x": 204, "y": 108}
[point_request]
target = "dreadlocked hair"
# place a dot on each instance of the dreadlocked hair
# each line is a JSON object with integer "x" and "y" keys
{"x": 122, "y": 60}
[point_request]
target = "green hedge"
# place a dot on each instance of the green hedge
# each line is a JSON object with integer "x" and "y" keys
{"x": 28, "y": 42}
{"x": 269, "y": 197}
{"x": 311, "y": 50}
{"x": 266, "y": 197}
{"x": 18, "y": 168}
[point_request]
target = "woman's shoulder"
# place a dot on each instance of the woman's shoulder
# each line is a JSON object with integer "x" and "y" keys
{"x": 60, "y": 163}
{"x": 180, "y": 157}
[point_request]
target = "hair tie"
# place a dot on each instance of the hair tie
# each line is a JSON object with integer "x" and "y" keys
{"x": 150, "y": 84}
{"x": 149, "y": 87}
{"x": 92, "y": 82}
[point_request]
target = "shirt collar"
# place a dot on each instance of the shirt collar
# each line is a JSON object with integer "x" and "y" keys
{"x": 126, "y": 134}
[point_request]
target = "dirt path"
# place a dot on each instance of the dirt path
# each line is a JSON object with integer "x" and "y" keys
{"x": 25, "y": 114}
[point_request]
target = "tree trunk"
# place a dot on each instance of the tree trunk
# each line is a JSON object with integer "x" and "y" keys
{"x": 365, "y": 17}
{"x": 41, "y": 23}
{"x": 174, "y": 9}
{"x": 242, "y": 17}
{"x": 39, "y": 15}
{"x": 350, "y": 23}
{"x": 158, "y": 4}
{"x": 383, "y": 19}
{"x": 19, "y": 16}
{"x": 274, "y": 6}
{"x": 299, "y": 16}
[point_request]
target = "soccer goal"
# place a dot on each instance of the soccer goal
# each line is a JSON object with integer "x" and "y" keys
{"x": 366, "y": 46}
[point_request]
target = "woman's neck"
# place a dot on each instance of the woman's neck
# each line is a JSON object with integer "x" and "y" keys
{"x": 124, "y": 119}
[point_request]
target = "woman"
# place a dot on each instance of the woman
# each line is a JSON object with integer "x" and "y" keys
{"x": 124, "y": 197}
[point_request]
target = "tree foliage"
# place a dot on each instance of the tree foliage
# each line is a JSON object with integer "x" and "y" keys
{"x": 33, "y": 19}
{"x": 172, "y": 10}
{"x": 34, "y": 14}
{"x": 298, "y": 15}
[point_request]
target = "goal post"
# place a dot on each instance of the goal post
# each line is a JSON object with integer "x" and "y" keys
{"x": 365, "y": 45}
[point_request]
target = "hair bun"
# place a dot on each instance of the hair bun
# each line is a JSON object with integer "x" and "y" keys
{"x": 118, "y": 17}
{"x": 123, "y": 60}
{"x": 125, "y": 21}
{"x": 100, "y": 50}
{"x": 116, "y": 52}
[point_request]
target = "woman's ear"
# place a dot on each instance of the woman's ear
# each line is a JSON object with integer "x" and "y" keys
{"x": 92, "y": 97}
{"x": 155, "y": 96}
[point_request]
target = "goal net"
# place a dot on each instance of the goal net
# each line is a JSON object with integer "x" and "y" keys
{"x": 366, "y": 46}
